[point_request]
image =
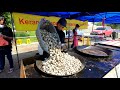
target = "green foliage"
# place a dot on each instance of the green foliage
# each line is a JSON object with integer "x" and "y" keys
{"x": 33, "y": 39}
{"x": 31, "y": 33}
{"x": 7, "y": 15}
{"x": 114, "y": 26}
{"x": 98, "y": 23}
{"x": 25, "y": 34}
{"x": 21, "y": 34}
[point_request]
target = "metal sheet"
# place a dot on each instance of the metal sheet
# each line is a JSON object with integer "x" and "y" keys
{"x": 96, "y": 49}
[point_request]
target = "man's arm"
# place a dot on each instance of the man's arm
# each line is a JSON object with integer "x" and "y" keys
{"x": 7, "y": 37}
{"x": 63, "y": 38}
{"x": 10, "y": 35}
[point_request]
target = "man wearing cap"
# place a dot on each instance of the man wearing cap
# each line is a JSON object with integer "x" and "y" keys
{"x": 7, "y": 34}
{"x": 60, "y": 25}
{"x": 59, "y": 28}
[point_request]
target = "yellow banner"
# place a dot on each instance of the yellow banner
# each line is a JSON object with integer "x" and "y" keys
{"x": 28, "y": 22}
{"x": 71, "y": 24}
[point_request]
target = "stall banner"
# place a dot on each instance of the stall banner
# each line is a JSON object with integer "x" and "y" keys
{"x": 71, "y": 24}
{"x": 28, "y": 22}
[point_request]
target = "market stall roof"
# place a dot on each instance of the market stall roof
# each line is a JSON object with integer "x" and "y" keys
{"x": 110, "y": 17}
{"x": 68, "y": 15}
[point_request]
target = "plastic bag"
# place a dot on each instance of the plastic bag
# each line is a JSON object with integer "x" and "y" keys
{"x": 40, "y": 50}
{"x": 3, "y": 42}
{"x": 45, "y": 25}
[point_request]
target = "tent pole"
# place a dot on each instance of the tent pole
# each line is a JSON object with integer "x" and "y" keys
{"x": 14, "y": 38}
{"x": 68, "y": 38}
{"x": 68, "y": 34}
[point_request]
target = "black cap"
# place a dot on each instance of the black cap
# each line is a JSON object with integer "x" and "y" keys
{"x": 62, "y": 21}
{"x": 77, "y": 25}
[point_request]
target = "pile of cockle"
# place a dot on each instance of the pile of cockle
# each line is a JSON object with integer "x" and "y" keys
{"x": 60, "y": 63}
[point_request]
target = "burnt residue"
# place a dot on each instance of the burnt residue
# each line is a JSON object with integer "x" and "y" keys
{"x": 108, "y": 53}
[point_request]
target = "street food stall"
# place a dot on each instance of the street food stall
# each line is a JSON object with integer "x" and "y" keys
{"x": 89, "y": 67}
{"x": 94, "y": 62}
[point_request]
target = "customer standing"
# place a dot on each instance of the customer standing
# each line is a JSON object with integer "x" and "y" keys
{"x": 6, "y": 34}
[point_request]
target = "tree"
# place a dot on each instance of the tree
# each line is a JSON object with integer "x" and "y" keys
{"x": 98, "y": 23}
{"x": 114, "y": 26}
{"x": 7, "y": 16}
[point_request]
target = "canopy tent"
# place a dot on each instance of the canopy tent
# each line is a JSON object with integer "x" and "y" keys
{"x": 114, "y": 19}
{"x": 67, "y": 15}
{"x": 110, "y": 17}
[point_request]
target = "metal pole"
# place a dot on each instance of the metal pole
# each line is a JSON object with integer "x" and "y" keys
{"x": 93, "y": 27}
{"x": 15, "y": 38}
{"x": 68, "y": 33}
{"x": 68, "y": 38}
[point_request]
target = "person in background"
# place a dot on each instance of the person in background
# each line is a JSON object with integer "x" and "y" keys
{"x": 75, "y": 39}
{"x": 114, "y": 34}
{"x": 6, "y": 34}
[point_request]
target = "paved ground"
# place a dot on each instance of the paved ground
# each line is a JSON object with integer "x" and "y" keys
{"x": 24, "y": 51}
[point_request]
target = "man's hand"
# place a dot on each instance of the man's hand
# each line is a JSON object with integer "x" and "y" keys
{"x": 45, "y": 54}
{"x": 6, "y": 37}
{"x": 1, "y": 35}
{"x": 64, "y": 47}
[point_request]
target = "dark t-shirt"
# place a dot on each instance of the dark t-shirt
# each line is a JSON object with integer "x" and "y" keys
{"x": 74, "y": 31}
{"x": 8, "y": 32}
{"x": 61, "y": 35}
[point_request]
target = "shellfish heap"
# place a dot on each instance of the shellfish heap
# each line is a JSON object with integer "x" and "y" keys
{"x": 59, "y": 63}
